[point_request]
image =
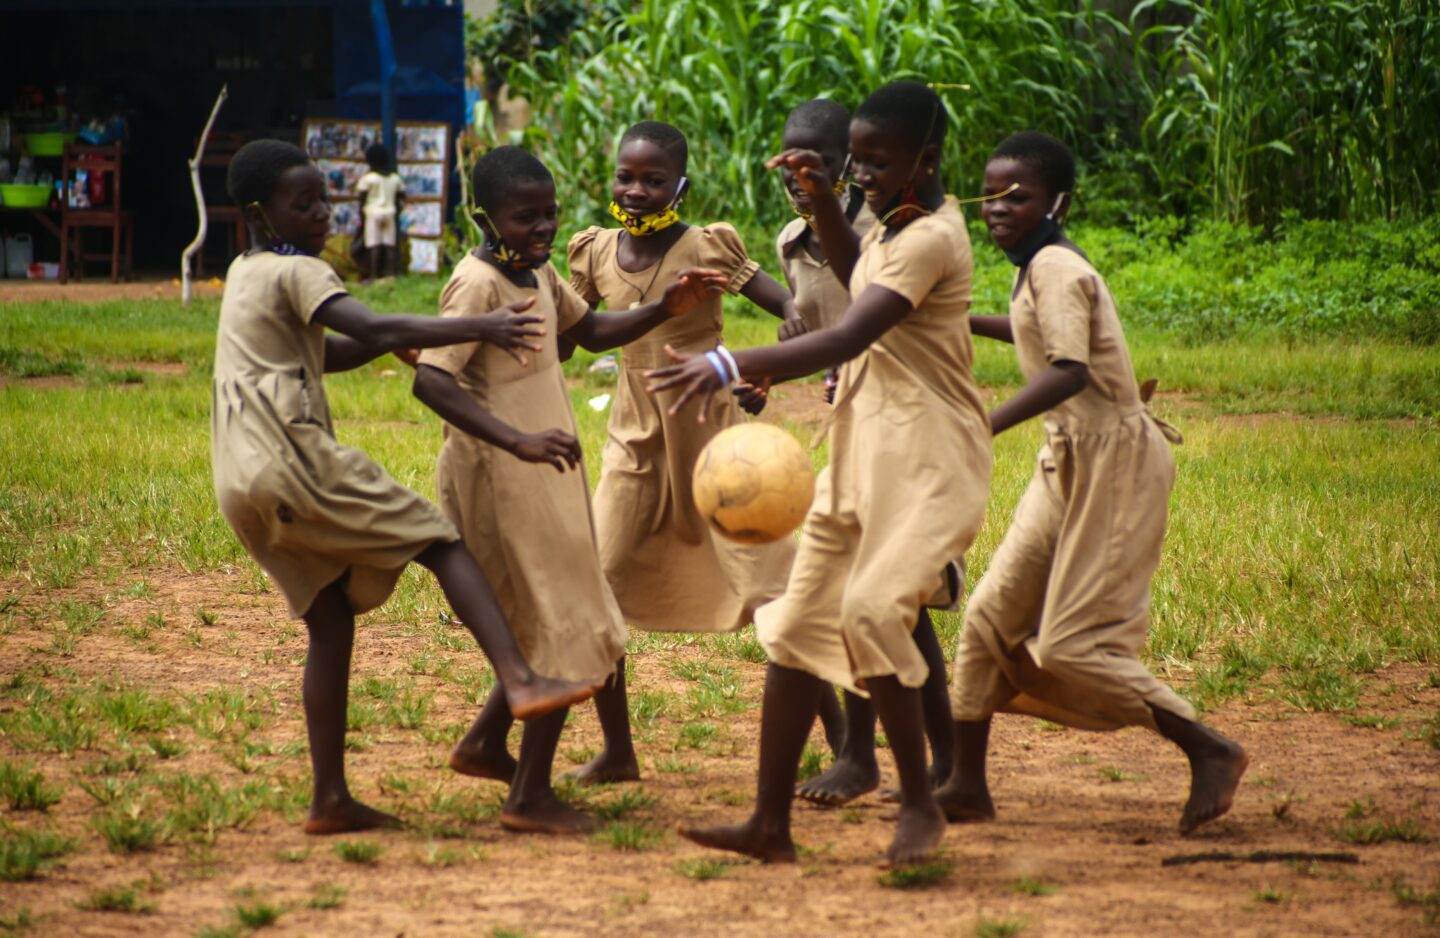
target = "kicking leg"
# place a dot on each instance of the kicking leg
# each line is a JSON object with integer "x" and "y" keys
{"x": 617, "y": 761}
{"x": 528, "y": 694}
{"x": 921, "y": 823}
{"x": 855, "y": 771}
{"x": 533, "y": 807}
{"x": 965, "y": 796}
{"x": 483, "y": 753}
{"x": 1216, "y": 766}
{"x": 326, "y": 691}
{"x": 791, "y": 701}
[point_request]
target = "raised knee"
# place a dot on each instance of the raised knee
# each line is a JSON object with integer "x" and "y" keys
{"x": 1058, "y": 655}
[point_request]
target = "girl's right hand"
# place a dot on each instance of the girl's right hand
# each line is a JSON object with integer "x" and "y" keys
{"x": 556, "y": 447}
{"x": 809, "y": 170}
{"x": 508, "y": 329}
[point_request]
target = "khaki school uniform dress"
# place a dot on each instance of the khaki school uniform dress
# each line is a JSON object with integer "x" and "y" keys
{"x": 904, "y": 494}
{"x": 669, "y": 571}
{"x": 529, "y": 526}
{"x": 308, "y": 509}
{"x": 820, "y": 298}
{"x": 1056, "y": 626}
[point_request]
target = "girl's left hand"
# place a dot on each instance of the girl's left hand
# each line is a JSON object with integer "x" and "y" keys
{"x": 691, "y": 288}
{"x": 694, "y": 373}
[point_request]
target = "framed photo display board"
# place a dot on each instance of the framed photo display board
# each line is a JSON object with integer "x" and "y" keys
{"x": 422, "y": 160}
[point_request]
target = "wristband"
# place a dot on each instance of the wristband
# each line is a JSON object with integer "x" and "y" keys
{"x": 719, "y": 367}
{"x": 724, "y": 353}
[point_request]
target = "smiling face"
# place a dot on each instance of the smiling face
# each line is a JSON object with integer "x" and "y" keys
{"x": 646, "y": 177}
{"x": 298, "y": 210}
{"x": 810, "y": 138}
{"x": 1011, "y": 218}
{"x": 526, "y": 218}
{"x": 883, "y": 165}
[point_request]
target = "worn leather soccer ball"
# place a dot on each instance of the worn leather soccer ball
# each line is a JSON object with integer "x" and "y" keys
{"x": 753, "y": 483}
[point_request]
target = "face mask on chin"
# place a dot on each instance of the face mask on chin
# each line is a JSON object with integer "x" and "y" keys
{"x": 646, "y": 225}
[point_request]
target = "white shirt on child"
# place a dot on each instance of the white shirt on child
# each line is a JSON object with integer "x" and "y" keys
{"x": 381, "y": 191}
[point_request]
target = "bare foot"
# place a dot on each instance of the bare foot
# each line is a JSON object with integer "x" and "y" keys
{"x": 1213, "y": 780}
{"x": 545, "y": 814}
{"x": 605, "y": 769}
{"x": 840, "y": 784}
{"x": 965, "y": 804}
{"x": 345, "y": 816}
{"x": 545, "y": 695}
{"x": 917, "y": 833}
{"x": 748, "y": 839}
{"x": 483, "y": 762}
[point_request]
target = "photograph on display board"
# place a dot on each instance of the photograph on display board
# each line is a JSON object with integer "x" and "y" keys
{"x": 424, "y": 255}
{"x": 421, "y": 219}
{"x": 341, "y": 176}
{"x": 423, "y": 142}
{"x": 333, "y": 139}
{"x": 345, "y": 217}
{"x": 423, "y": 180}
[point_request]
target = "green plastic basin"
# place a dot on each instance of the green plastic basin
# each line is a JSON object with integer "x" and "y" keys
{"x": 17, "y": 196}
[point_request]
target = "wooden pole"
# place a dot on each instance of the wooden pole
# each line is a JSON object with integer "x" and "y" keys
{"x": 187, "y": 259}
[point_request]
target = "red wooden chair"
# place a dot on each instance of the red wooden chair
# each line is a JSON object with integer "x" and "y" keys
{"x": 104, "y": 160}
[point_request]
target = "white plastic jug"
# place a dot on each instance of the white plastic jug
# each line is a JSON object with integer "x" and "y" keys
{"x": 19, "y": 254}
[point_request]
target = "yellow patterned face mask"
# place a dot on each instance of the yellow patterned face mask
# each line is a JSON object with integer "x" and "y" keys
{"x": 646, "y": 225}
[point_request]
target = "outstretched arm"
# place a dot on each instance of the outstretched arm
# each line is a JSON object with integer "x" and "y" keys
{"x": 1056, "y": 384}
{"x": 766, "y": 292}
{"x": 596, "y": 333}
{"x": 993, "y": 327}
{"x": 439, "y": 391}
{"x": 366, "y": 335}
{"x": 841, "y": 243}
{"x": 869, "y": 317}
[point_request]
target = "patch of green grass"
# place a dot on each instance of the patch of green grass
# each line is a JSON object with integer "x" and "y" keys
{"x": 364, "y": 852}
{"x": 1428, "y": 900}
{"x": 697, "y": 735}
{"x": 24, "y": 789}
{"x": 703, "y": 868}
{"x": 999, "y": 927}
{"x": 624, "y": 803}
{"x": 1373, "y": 721}
{"x": 1033, "y": 886}
{"x": 258, "y": 914}
{"x": 126, "y": 829}
{"x": 1405, "y": 830}
{"x": 629, "y": 836}
{"x": 117, "y": 899}
{"x": 22, "y": 920}
{"x": 916, "y": 876}
{"x": 1110, "y": 773}
{"x": 812, "y": 762}
{"x": 24, "y": 854}
{"x": 326, "y": 896}
{"x": 1270, "y": 895}
{"x": 292, "y": 854}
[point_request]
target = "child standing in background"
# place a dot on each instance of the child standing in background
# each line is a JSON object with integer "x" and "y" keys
{"x": 328, "y": 526}
{"x": 668, "y": 570}
{"x": 529, "y": 522}
{"x": 1056, "y": 626}
{"x": 384, "y": 194}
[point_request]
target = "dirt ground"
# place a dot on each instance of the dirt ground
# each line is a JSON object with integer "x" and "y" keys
{"x": 1091, "y": 815}
{"x": 100, "y": 289}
